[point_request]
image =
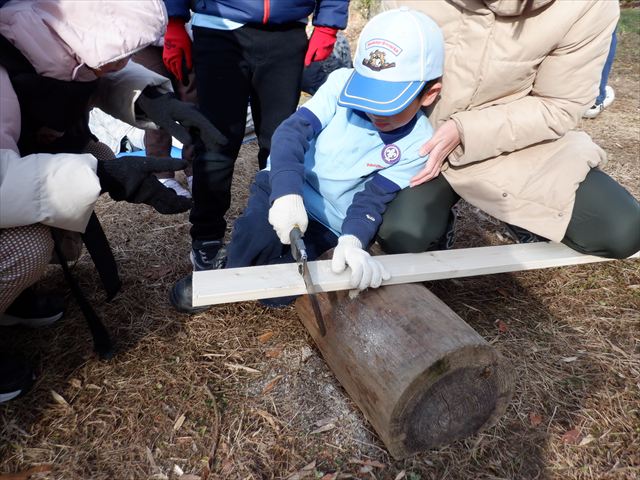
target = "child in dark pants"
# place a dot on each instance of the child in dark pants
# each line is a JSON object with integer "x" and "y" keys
{"x": 341, "y": 158}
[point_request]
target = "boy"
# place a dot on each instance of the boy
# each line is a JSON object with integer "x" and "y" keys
{"x": 341, "y": 158}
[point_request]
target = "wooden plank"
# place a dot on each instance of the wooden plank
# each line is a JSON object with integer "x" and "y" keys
{"x": 270, "y": 281}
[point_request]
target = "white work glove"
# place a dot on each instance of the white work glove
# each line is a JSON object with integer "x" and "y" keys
{"x": 366, "y": 271}
{"x": 287, "y": 212}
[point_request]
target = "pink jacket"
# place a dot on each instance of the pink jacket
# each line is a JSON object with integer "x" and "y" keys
{"x": 65, "y": 40}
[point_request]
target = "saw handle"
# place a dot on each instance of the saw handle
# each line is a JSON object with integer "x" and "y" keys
{"x": 298, "y": 249}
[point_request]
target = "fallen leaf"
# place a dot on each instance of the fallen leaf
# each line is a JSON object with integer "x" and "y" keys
{"x": 370, "y": 463}
{"x": 401, "y": 475}
{"x": 179, "y": 421}
{"x": 190, "y": 476}
{"x": 26, "y": 474}
{"x": 329, "y": 476}
{"x": 158, "y": 272}
{"x": 324, "y": 428}
{"x": 271, "y": 384}
{"x": 183, "y": 440}
{"x": 586, "y": 440}
{"x": 274, "y": 352}
{"x": 535, "y": 419}
{"x": 325, "y": 421}
{"x": 304, "y": 472}
{"x": 503, "y": 292}
{"x": 59, "y": 399}
{"x": 571, "y": 436}
{"x": 502, "y": 327}
{"x": 271, "y": 420}
{"x": 265, "y": 337}
{"x": 569, "y": 359}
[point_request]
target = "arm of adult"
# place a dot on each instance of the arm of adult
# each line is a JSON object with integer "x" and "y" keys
{"x": 565, "y": 85}
{"x": 56, "y": 190}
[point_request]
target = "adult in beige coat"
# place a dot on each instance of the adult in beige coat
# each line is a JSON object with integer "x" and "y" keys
{"x": 518, "y": 76}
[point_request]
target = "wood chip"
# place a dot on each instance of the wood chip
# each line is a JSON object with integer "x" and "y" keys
{"x": 568, "y": 359}
{"x": 535, "y": 419}
{"x": 571, "y": 437}
{"x": 586, "y": 440}
{"x": 274, "y": 352}
{"x": 401, "y": 475}
{"x": 178, "y": 471}
{"x": 59, "y": 399}
{"x": 265, "y": 337}
{"x": 236, "y": 366}
{"x": 179, "y": 421}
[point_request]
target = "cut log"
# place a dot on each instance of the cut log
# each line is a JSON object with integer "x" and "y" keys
{"x": 418, "y": 372}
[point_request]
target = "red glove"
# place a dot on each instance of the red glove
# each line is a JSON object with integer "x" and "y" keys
{"x": 320, "y": 44}
{"x": 177, "y": 49}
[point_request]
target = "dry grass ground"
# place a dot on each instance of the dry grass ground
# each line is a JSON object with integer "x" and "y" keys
{"x": 239, "y": 391}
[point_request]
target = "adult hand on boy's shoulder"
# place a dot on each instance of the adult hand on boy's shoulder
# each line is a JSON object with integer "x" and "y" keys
{"x": 287, "y": 212}
{"x": 444, "y": 141}
{"x": 366, "y": 271}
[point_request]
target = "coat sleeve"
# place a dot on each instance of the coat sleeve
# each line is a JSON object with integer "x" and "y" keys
{"x": 117, "y": 93}
{"x": 331, "y": 13}
{"x": 178, "y": 8}
{"x": 565, "y": 86}
{"x": 56, "y": 190}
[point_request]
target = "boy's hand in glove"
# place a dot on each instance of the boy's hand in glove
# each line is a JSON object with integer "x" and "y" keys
{"x": 366, "y": 271}
{"x": 287, "y": 212}
{"x": 180, "y": 119}
{"x": 131, "y": 179}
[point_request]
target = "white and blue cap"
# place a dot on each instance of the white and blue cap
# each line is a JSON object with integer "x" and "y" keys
{"x": 398, "y": 52}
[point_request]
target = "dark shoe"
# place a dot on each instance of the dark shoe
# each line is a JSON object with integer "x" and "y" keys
{"x": 521, "y": 235}
{"x": 449, "y": 238}
{"x": 181, "y": 296}
{"x": 207, "y": 255}
{"x": 33, "y": 310}
{"x": 16, "y": 377}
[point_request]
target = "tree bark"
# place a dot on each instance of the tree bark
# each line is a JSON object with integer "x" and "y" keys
{"x": 418, "y": 372}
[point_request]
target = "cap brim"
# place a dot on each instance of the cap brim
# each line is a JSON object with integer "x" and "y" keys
{"x": 377, "y": 96}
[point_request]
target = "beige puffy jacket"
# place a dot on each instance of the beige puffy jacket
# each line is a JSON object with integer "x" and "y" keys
{"x": 518, "y": 76}
{"x": 65, "y": 39}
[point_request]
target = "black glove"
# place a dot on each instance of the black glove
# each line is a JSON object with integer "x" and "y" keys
{"x": 131, "y": 178}
{"x": 178, "y": 118}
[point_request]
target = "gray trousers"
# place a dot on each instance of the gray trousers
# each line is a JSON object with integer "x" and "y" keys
{"x": 605, "y": 219}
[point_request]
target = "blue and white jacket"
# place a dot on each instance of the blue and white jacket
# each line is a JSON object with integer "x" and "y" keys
{"x": 326, "y": 13}
{"x": 345, "y": 169}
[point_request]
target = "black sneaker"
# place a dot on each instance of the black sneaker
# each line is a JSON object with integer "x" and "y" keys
{"x": 16, "y": 377}
{"x": 33, "y": 310}
{"x": 207, "y": 255}
{"x": 522, "y": 235}
{"x": 181, "y": 296}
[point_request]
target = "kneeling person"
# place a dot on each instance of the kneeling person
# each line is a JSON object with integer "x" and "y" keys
{"x": 339, "y": 160}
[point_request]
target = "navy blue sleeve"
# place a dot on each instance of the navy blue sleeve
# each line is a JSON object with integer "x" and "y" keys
{"x": 364, "y": 215}
{"x": 178, "y": 8}
{"x": 332, "y": 13}
{"x": 289, "y": 144}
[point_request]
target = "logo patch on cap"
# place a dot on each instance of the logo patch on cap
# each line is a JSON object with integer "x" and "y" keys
{"x": 391, "y": 154}
{"x": 377, "y": 61}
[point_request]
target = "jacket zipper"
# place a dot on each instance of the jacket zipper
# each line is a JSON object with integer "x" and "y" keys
{"x": 265, "y": 17}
